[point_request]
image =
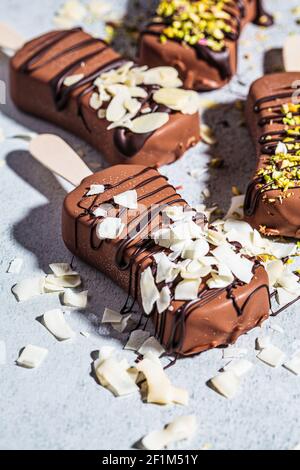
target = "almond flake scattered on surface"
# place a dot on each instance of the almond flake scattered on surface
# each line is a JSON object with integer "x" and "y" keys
{"x": 226, "y": 383}
{"x": 151, "y": 345}
{"x": 207, "y": 134}
{"x": 136, "y": 340}
{"x": 180, "y": 429}
{"x": 95, "y": 189}
{"x": 127, "y": 199}
{"x": 15, "y": 266}
{"x": 75, "y": 299}
{"x": 28, "y": 288}
{"x": 55, "y": 322}
{"x": 73, "y": 79}
{"x": 271, "y": 355}
{"x": 110, "y": 227}
{"x": 32, "y": 356}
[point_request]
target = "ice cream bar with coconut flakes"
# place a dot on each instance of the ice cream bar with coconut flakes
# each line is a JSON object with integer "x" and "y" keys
{"x": 199, "y": 38}
{"x": 199, "y": 290}
{"x": 273, "y": 113}
{"x": 130, "y": 114}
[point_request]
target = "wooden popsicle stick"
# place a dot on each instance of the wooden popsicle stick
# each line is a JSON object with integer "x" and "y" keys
{"x": 56, "y": 155}
{"x": 291, "y": 53}
{"x": 10, "y": 38}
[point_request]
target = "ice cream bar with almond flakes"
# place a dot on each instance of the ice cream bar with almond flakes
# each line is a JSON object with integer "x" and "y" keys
{"x": 130, "y": 114}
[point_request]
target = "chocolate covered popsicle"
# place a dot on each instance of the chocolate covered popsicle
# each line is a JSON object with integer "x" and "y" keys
{"x": 272, "y": 202}
{"x": 199, "y": 38}
{"x": 200, "y": 290}
{"x": 130, "y": 114}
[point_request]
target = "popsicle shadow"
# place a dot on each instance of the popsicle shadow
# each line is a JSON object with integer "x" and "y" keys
{"x": 39, "y": 232}
{"x": 233, "y": 158}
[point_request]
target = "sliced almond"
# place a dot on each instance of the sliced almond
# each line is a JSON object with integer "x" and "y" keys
{"x": 95, "y": 101}
{"x": 149, "y": 123}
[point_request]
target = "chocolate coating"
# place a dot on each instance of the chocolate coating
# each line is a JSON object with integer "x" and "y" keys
{"x": 37, "y": 74}
{"x": 217, "y": 317}
{"x": 264, "y": 208}
{"x": 200, "y": 67}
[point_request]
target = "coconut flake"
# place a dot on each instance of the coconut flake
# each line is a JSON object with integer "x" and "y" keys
{"x": 32, "y": 356}
{"x": 95, "y": 189}
{"x": 159, "y": 388}
{"x": 271, "y": 355}
{"x": 181, "y": 428}
{"x": 149, "y": 291}
{"x": 113, "y": 376}
{"x": 164, "y": 300}
{"x": 55, "y": 322}
{"x": 127, "y": 199}
{"x": 58, "y": 284}
{"x": 151, "y": 345}
{"x": 111, "y": 316}
{"x": 95, "y": 101}
{"x": 73, "y": 79}
{"x": 239, "y": 367}
{"x": 240, "y": 267}
{"x": 75, "y": 299}
{"x": 236, "y": 206}
{"x": 263, "y": 342}
{"x": 62, "y": 270}
{"x": 196, "y": 249}
{"x": 281, "y": 149}
{"x": 187, "y": 289}
{"x": 226, "y": 383}
{"x": 149, "y": 122}
{"x": 122, "y": 325}
{"x": 110, "y": 227}
{"x": 28, "y": 288}
{"x": 2, "y": 353}
{"x": 136, "y": 340}
{"x": 101, "y": 211}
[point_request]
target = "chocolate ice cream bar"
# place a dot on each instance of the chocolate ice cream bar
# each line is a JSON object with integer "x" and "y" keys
{"x": 131, "y": 224}
{"x": 273, "y": 113}
{"x": 199, "y": 38}
{"x": 130, "y": 114}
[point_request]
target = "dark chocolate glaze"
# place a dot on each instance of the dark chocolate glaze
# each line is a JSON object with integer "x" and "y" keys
{"x": 136, "y": 228}
{"x": 262, "y": 17}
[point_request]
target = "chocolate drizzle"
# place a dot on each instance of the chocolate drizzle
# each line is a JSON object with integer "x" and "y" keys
{"x": 128, "y": 143}
{"x": 268, "y": 142}
{"x": 262, "y": 17}
{"x": 137, "y": 249}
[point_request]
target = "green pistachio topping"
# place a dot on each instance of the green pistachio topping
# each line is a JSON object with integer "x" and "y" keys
{"x": 202, "y": 22}
{"x": 283, "y": 168}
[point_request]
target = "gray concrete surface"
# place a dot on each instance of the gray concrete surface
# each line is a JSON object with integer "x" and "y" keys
{"x": 60, "y": 406}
